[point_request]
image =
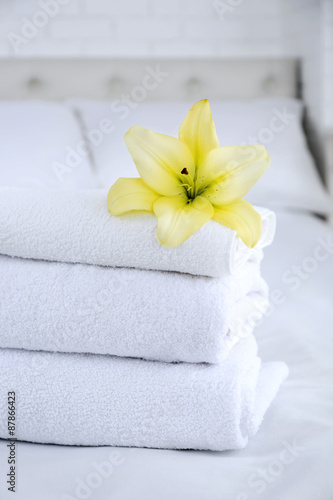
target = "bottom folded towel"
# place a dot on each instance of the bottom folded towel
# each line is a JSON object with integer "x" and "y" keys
{"x": 85, "y": 399}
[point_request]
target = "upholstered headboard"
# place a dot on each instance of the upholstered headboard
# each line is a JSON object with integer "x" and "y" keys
{"x": 148, "y": 79}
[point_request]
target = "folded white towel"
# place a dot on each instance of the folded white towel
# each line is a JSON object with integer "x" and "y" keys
{"x": 75, "y": 226}
{"x": 166, "y": 316}
{"x": 86, "y": 399}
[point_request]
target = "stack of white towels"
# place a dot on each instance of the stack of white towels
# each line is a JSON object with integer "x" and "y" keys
{"x": 109, "y": 338}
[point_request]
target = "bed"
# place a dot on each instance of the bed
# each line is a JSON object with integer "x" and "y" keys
{"x": 291, "y": 456}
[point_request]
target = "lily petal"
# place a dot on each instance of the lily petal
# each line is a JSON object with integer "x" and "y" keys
{"x": 160, "y": 159}
{"x": 198, "y": 131}
{"x": 230, "y": 172}
{"x": 179, "y": 217}
{"x": 130, "y": 194}
{"x": 243, "y": 218}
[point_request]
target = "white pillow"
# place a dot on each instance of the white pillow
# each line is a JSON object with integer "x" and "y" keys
{"x": 40, "y": 147}
{"x": 291, "y": 181}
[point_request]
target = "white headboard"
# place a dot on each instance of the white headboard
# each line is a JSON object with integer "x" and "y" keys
{"x": 185, "y": 79}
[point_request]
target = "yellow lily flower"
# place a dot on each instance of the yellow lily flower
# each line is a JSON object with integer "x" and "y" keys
{"x": 188, "y": 181}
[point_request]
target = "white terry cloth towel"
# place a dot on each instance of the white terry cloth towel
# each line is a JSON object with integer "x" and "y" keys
{"x": 75, "y": 226}
{"x": 86, "y": 399}
{"x": 166, "y": 316}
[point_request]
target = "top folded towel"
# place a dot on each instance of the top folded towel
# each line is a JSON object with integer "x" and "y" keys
{"x": 75, "y": 226}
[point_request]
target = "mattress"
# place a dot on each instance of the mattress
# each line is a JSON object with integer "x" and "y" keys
{"x": 290, "y": 457}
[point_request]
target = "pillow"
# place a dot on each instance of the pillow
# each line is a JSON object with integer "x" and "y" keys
{"x": 291, "y": 181}
{"x": 41, "y": 146}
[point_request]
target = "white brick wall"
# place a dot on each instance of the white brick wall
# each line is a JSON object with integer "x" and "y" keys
{"x": 79, "y": 28}
{"x": 168, "y": 28}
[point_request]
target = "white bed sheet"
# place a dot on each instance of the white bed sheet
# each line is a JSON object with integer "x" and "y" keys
{"x": 300, "y": 332}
